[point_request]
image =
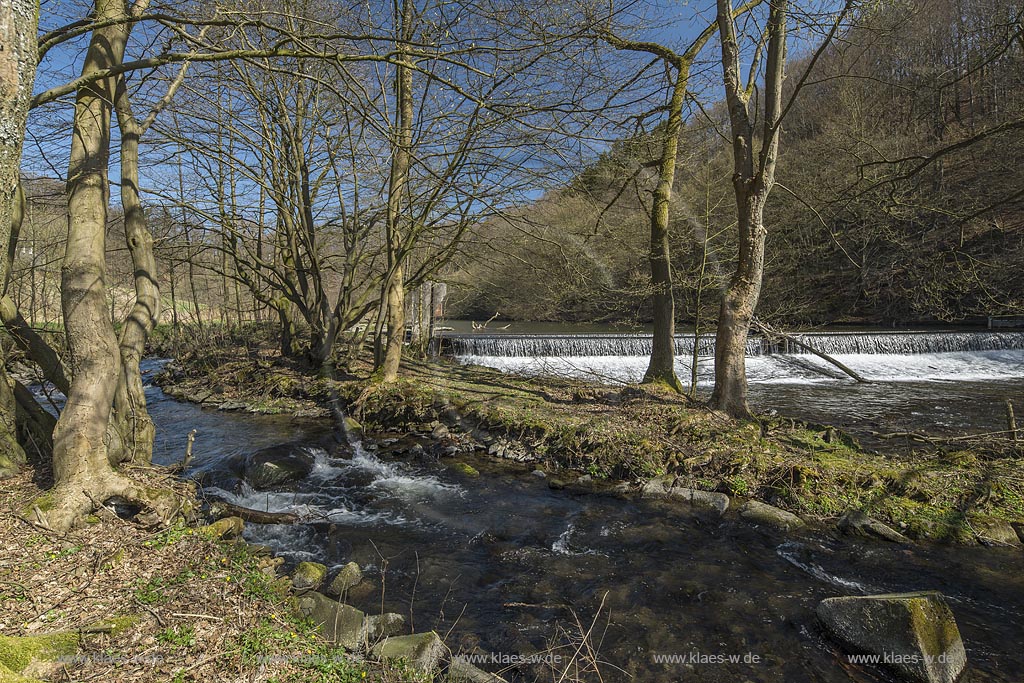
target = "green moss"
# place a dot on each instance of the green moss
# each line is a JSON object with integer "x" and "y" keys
{"x": 8, "y": 676}
{"x": 934, "y": 625}
{"x": 18, "y": 652}
{"x": 114, "y": 625}
{"x": 465, "y": 469}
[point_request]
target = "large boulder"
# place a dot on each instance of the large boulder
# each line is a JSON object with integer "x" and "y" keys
{"x": 769, "y": 515}
{"x": 420, "y": 651}
{"x": 913, "y": 633}
{"x": 226, "y": 528}
{"x": 277, "y": 465}
{"x": 378, "y": 626}
{"x": 339, "y": 624}
{"x": 705, "y": 500}
{"x": 996, "y": 532}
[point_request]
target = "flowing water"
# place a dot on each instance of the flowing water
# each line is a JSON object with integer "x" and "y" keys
{"x": 506, "y": 566}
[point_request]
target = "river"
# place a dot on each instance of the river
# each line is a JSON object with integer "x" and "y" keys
{"x": 506, "y": 566}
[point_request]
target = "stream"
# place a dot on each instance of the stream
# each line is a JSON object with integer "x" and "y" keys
{"x": 507, "y": 566}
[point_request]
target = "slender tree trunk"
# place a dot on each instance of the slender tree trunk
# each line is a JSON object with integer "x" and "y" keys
{"x": 396, "y": 327}
{"x": 130, "y": 411}
{"x": 661, "y": 368}
{"x": 174, "y": 295}
{"x": 19, "y": 20}
{"x": 401, "y": 160}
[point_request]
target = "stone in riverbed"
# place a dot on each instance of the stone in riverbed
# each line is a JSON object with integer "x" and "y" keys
{"x": 308, "y": 575}
{"x": 461, "y": 671}
{"x": 421, "y": 651}
{"x": 339, "y": 624}
{"x": 349, "y": 576}
{"x": 914, "y": 633}
{"x": 658, "y": 487}
{"x": 857, "y": 523}
{"x": 277, "y": 465}
{"x": 352, "y": 428}
{"x": 997, "y": 533}
{"x": 465, "y": 469}
{"x": 769, "y": 515}
{"x": 380, "y": 626}
{"x": 707, "y": 500}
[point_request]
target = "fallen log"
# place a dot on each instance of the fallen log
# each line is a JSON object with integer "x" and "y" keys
{"x": 769, "y": 331}
{"x": 219, "y": 509}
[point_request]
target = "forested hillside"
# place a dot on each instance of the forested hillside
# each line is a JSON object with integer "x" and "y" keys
{"x": 899, "y": 192}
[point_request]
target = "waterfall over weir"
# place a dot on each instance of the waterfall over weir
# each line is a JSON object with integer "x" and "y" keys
{"x": 832, "y": 343}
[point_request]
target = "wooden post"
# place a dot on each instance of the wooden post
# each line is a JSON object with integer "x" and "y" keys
{"x": 1011, "y": 421}
{"x": 188, "y": 449}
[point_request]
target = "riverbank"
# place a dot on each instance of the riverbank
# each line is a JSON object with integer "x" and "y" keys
{"x": 115, "y": 601}
{"x": 577, "y": 432}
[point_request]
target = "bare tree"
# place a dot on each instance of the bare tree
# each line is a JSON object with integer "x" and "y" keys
{"x": 661, "y": 368}
{"x": 753, "y": 179}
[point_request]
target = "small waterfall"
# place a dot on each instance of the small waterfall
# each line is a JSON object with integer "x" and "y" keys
{"x": 566, "y": 345}
{"x": 832, "y": 343}
{"x": 908, "y": 343}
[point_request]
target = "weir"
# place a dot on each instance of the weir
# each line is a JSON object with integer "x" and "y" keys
{"x": 832, "y": 343}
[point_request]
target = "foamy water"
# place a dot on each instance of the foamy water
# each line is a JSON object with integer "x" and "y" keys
{"x": 781, "y": 369}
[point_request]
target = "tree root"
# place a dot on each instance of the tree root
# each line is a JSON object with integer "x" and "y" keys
{"x": 67, "y": 506}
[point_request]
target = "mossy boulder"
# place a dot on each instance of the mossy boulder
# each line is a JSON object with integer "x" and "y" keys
{"x": 352, "y": 428}
{"x": 465, "y": 469}
{"x": 420, "y": 651}
{"x": 769, "y": 515}
{"x": 379, "y": 626}
{"x": 339, "y": 624}
{"x": 229, "y": 527}
{"x": 997, "y": 533}
{"x": 277, "y": 465}
{"x": 21, "y": 656}
{"x": 704, "y": 500}
{"x": 308, "y": 575}
{"x": 914, "y": 633}
{"x": 349, "y": 576}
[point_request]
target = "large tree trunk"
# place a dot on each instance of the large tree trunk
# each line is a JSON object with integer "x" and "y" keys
{"x": 661, "y": 369}
{"x": 83, "y": 476}
{"x": 737, "y": 309}
{"x": 19, "y": 20}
